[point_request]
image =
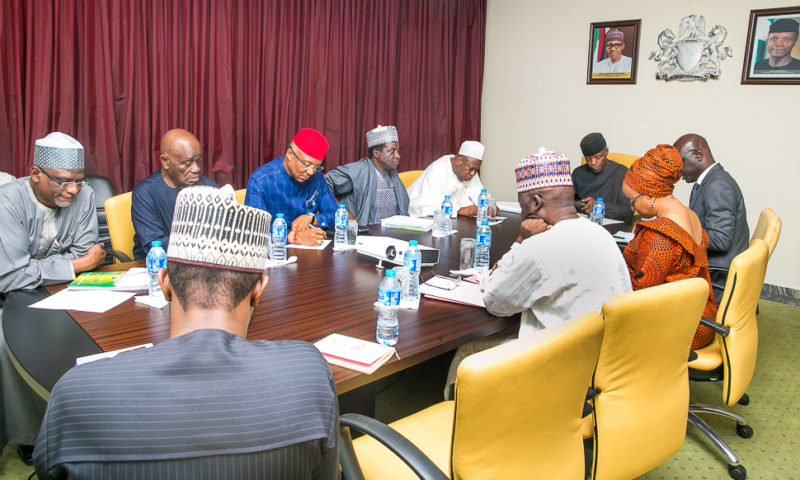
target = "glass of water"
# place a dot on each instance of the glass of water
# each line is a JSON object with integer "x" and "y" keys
{"x": 467, "y": 258}
{"x": 352, "y": 231}
{"x": 438, "y": 223}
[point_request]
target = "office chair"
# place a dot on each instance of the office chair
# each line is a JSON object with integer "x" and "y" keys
{"x": 768, "y": 228}
{"x": 517, "y": 410}
{"x": 120, "y": 226}
{"x": 409, "y": 176}
{"x": 641, "y": 380}
{"x": 732, "y": 357}
{"x": 623, "y": 159}
{"x": 103, "y": 190}
{"x": 240, "y": 194}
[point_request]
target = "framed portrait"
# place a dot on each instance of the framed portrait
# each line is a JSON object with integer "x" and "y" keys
{"x": 613, "y": 52}
{"x": 773, "y": 53}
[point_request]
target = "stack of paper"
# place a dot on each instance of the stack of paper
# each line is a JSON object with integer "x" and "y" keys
{"x": 404, "y": 222}
{"x": 133, "y": 280}
{"x": 511, "y": 207}
{"x": 354, "y": 353}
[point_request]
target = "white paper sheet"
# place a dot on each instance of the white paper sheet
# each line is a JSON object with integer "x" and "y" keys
{"x": 512, "y": 207}
{"x": 278, "y": 263}
{"x": 324, "y": 244}
{"x": 96, "y": 301}
{"x": 111, "y": 354}
{"x": 467, "y": 293}
{"x": 158, "y": 302}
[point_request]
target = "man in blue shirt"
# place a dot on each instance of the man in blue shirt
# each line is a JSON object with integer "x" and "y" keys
{"x": 293, "y": 185}
{"x": 153, "y": 199}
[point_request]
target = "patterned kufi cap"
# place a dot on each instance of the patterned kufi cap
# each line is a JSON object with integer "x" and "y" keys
{"x": 615, "y": 35}
{"x": 58, "y": 151}
{"x": 211, "y": 229}
{"x": 656, "y": 172}
{"x": 381, "y": 135}
{"x": 473, "y": 149}
{"x": 543, "y": 170}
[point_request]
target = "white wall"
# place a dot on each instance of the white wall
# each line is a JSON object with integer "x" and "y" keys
{"x": 535, "y": 94}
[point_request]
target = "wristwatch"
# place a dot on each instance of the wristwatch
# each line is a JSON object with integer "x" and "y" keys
{"x": 313, "y": 217}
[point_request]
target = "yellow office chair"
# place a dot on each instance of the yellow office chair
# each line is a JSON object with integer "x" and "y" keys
{"x": 409, "y": 176}
{"x": 732, "y": 358}
{"x": 120, "y": 226}
{"x": 768, "y": 228}
{"x": 240, "y": 194}
{"x": 517, "y": 412}
{"x": 621, "y": 158}
{"x": 641, "y": 378}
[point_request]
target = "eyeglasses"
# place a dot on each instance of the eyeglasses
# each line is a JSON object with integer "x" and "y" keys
{"x": 690, "y": 152}
{"x": 632, "y": 202}
{"x": 305, "y": 165}
{"x": 62, "y": 185}
{"x": 614, "y": 45}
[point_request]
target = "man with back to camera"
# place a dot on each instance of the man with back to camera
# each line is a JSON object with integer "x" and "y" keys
{"x": 293, "y": 185}
{"x": 49, "y": 227}
{"x": 616, "y": 62}
{"x": 781, "y": 40}
{"x": 718, "y": 203}
{"x": 206, "y": 403}
{"x": 370, "y": 188}
{"x": 600, "y": 177}
{"x": 153, "y": 199}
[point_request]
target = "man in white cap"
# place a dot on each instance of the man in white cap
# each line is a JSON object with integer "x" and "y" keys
{"x": 49, "y": 235}
{"x": 454, "y": 175}
{"x": 206, "y": 403}
{"x": 370, "y": 188}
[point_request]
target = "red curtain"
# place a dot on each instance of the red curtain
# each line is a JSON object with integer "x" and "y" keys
{"x": 242, "y": 75}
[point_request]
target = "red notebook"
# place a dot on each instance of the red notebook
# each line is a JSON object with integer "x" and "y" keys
{"x": 354, "y": 353}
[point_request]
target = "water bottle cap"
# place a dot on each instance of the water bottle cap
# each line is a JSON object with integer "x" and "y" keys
{"x": 391, "y": 273}
{"x": 483, "y": 190}
{"x": 599, "y": 199}
{"x": 280, "y": 215}
{"x": 155, "y": 243}
{"x": 447, "y": 196}
{"x": 341, "y": 205}
{"x": 412, "y": 243}
{"x": 485, "y": 222}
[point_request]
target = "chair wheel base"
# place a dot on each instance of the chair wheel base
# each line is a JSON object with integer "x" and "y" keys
{"x": 744, "y": 431}
{"x": 745, "y": 400}
{"x": 737, "y": 472}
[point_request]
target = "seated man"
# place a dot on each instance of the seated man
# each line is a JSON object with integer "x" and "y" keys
{"x": 153, "y": 199}
{"x": 293, "y": 185}
{"x": 600, "y": 177}
{"x": 205, "y": 403}
{"x": 49, "y": 235}
{"x": 454, "y": 175}
{"x": 562, "y": 266}
{"x": 370, "y": 187}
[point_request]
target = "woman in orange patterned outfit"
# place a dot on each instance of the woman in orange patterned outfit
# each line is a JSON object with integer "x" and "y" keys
{"x": 672, "y": 246}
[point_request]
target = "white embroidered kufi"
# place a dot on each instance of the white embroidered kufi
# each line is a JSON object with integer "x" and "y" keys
{"x": 58, "y": 151}
{"x": 471, "y": 148}
{"x": 211, "y": 229}
{"x": 545, "y": 169}
{"x": 381, "y": 135}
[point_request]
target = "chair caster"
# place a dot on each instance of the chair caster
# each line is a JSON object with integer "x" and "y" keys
{"x": 745, "y": 400}
{"x": 737, "y": 472}
{"x": 744, "y": 431}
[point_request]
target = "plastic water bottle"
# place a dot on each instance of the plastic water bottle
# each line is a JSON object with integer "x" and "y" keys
{"x": 483, "y": 243}
{"x": 412, "y": 260}
{"x": 483, "y": 206}
{"x": 447, "y": 209}
{"x": 388, "y": 329}
{"x": 340, "y": 235}
{"x": 279, "y": 233}
{"x": 156, "y": 260}
{"x": 598, "y": 211}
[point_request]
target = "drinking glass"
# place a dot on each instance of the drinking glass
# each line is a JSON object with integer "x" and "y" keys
{"x": 352, "y": 231}
{"x": 438, "y": 220}
{"x": 467, "y": 253}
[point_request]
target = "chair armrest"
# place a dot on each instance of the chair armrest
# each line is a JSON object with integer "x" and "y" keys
{"x": 717, "y": 269}
{"x": 717, "y": 286}
{"x": 120, "y": 256}
{"x": 717, "y": 327}
{"x": 422, "y": 466}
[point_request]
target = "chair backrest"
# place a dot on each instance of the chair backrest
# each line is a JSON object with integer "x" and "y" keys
{"x": 409, "y": 176}
{"x": 518, "y": 405}
{"x": 642, "y": 377}
{"x": 120, "y": 226}
{"x": 240, "y": 194}
{"x": 621, "y": 158}
{"x": 103, "y": 190}
{"x": 737, "y": 311}
{"x": 768, "y": 228}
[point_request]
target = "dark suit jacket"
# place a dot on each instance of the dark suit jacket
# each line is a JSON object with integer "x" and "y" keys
{"x": 720, "y": 205}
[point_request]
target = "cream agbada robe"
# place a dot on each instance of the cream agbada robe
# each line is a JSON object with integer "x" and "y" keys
{"x": 428, "y": 191}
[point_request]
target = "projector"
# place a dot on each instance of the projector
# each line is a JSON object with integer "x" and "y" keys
{"x": 391, "y": 250}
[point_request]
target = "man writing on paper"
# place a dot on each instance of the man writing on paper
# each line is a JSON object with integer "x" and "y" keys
{"x": 454, "y": 175}
{"x": 205, "y": 403}
{"x": 561, "y": 265}
{"x": 370, "y": 187}
{"x": 49, "y": 235}
{"x": 293, "y": 185}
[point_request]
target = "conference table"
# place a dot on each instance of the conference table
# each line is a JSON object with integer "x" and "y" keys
{"x": 324, "y": 292}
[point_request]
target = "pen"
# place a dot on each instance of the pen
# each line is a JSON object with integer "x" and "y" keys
{"x": 471, "y": 200}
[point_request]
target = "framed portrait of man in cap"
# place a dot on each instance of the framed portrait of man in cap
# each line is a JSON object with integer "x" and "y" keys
{"x": 613, "y": 52}
{"x": 773, "y": 52}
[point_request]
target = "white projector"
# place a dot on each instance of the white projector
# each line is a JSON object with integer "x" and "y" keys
{"x": 391, "y": 250}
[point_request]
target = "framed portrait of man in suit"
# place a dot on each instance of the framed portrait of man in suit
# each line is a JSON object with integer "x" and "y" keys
{"x": 773, "y": 50}
{"x": 613, "y": 52}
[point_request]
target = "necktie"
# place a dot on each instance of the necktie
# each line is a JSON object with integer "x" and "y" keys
{"x": 694, "y": 191}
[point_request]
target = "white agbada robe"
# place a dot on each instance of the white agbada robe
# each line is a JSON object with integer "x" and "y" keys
{"x": 428, "y": 190}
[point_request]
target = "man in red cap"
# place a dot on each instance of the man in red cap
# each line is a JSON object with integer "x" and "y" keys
{"x": 293, "y": 185}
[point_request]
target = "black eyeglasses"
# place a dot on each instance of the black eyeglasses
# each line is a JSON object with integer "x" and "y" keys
{"x": 305, "y": 165}
{"x": 632, "y": 202}
{"x": 62, "y": 185}
{"x": 690, "y": 152}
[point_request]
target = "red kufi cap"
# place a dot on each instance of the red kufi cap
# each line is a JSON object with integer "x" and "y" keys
{"x": 311, "y": 142}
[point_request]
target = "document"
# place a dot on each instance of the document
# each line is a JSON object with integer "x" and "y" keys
{"x": 354, "y": 353}
{"x": 324, "y": 244}
{"x": 95, "y": 301}
{"x": 404, "y": 222}
{"x": 466, "y": 293}
{"x": 133, "y": 280}
{"x": 511, "y": 207}
{"x": 111, "y": 354}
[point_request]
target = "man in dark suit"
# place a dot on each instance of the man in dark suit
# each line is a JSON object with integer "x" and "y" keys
{"x": 718, "y": 202}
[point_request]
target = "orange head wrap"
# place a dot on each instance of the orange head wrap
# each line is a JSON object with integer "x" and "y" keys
{"x": 656, "y": 173}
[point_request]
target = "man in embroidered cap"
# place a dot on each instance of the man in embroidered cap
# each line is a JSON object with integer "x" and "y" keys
{"x": 153, "y": 199}
{"x": 206, "y": 403}
{"x": 781, "y": 39}
{"x": 615, "y": 62}
{"x": 49, "y": 235}
{"x": 370, "y": 187}
{"x": 600, "y": 177}
{"x": 454, "y": 175}
{"x": 293, "y": 185}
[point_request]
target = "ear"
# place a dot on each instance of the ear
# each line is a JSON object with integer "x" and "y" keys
{"x": 166, "y": 286}
{"x": 536, "y": 202}
{"x": 258, "y": 290}
{"x": 164, "y": 161}
{"x": 35, "y": 173}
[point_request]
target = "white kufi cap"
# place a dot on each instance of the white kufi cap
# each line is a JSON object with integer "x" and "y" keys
{"x": 471, "y": 148}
